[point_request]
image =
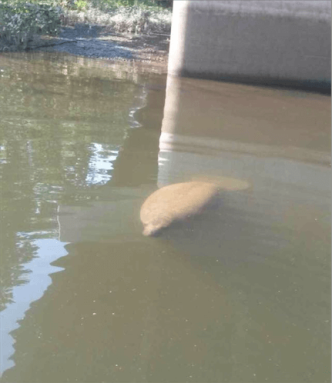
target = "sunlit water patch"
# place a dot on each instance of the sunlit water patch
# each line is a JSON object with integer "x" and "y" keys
{"x": 34, "y": 281}
{"x": 101, "y": 164}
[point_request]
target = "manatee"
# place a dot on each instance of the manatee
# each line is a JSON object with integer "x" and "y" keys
{"x": 174, "y": 203}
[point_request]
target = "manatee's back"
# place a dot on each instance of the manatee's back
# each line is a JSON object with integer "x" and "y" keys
{"x": 175, "y": 202}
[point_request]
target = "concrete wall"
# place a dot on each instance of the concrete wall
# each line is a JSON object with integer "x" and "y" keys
{"x": 268, "y": 42}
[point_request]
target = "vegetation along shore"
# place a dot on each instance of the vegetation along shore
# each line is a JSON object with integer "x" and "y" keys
{"x": 135, "y": 30}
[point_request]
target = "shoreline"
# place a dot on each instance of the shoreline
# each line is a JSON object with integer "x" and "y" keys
{"x": 131, "y": 34}
{"x": 95, "y": 41}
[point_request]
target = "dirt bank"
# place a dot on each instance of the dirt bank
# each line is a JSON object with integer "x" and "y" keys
{"x": 101, "y": 42}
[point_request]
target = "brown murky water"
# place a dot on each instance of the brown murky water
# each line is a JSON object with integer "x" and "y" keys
{"x": 240, "y": 294}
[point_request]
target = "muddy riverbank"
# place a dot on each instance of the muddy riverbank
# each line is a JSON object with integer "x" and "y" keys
{"x": 101, "y": 42}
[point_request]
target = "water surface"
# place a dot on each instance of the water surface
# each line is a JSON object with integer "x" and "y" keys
{"x": 240, "y": 294}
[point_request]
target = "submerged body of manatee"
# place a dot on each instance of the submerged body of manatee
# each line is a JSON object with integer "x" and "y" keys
{"x": 179, "y": 202}
{"x": 175, "y": 203}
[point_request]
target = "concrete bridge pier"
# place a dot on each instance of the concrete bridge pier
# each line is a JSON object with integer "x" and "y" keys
{"x": 261, "y": 42}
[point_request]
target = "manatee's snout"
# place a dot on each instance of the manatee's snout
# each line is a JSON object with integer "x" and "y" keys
{"x": 151, "y": 231}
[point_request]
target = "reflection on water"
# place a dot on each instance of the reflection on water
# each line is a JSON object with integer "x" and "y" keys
{"x": 100, "y": 164}
{"x": 52, "y": 151}
{"x": 29, "y": 290}
{"x": 239, "y": 294}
